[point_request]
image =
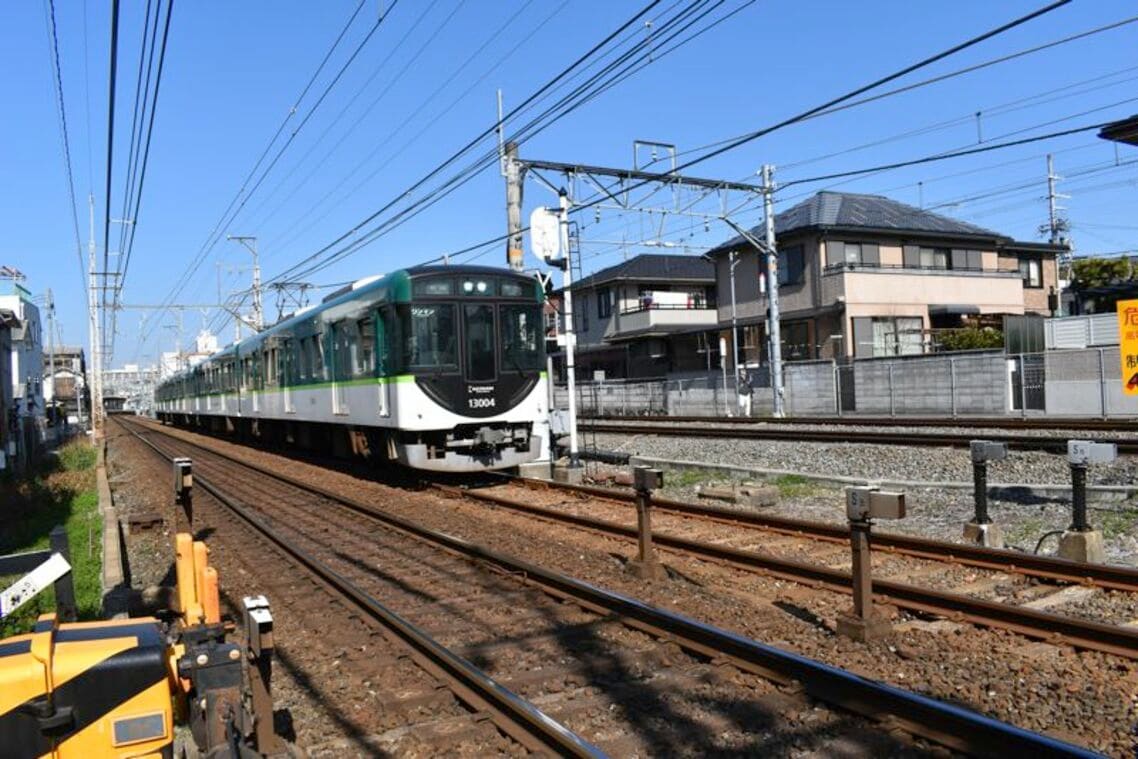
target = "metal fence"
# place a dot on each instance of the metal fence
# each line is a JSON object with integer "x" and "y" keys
{"x": 1053, "y": 383}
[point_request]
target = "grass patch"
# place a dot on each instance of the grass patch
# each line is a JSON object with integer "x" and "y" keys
{"x": 61, "y": 492}
{"x": 794, "y": 486}
{"x": 1120, "y": 522}
{"x": 1029, "y": 530}
{"x": 77, "y": 457}
{"x": 686, "y": 478}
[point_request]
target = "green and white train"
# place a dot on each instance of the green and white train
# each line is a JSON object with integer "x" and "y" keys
{"x": 439, "y": 368}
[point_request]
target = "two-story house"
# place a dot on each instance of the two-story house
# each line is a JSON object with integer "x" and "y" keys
{"x": 863, "y": 275}
{"x": 649, "y": 316}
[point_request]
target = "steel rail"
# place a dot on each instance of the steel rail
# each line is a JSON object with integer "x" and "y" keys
{"x": 993, "y": 422}
{"x": 1055, "y": 628}
{"x": 924, "y": 439}
{"x": 517, "y": 717}
{"x": 1109, "y": 576}
{"x": 949, "y": 725}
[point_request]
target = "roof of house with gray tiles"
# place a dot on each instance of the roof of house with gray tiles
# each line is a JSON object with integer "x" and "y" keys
{"x": 654, "y": 267}
{"x": 845, "y": 210}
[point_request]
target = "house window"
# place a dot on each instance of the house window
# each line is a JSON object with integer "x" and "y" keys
{"x": 1031, "y": 269}
{"x": 934, "y": 258}
{"x": 966, "y": 260}
{"x": 604, "y": 303}
{"x": 852, "y": 255}
{"x": 791, "y": 265}
{"x": 888, "y": 336}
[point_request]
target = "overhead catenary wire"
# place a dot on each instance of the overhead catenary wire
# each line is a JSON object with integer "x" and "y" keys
{"x": 482, "y": 135}
{"x": 580, "y": 95}
{"x": 210, "y": 240}
{"x": 61, "y": 104}
{"x": 146, "y": 148}
{"x": 471, "y": 170}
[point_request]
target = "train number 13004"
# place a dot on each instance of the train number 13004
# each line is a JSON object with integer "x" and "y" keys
{"x": 481, "y": 402}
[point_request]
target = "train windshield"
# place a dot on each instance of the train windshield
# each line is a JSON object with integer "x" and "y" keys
{"x": 429, "y": 330}
{"x": 522, "y": 339}
{"x": 479, "y": 342}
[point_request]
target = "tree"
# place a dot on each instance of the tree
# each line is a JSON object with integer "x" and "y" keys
{"x": 1096, "y": 272}
{"x": 970, "y": 339}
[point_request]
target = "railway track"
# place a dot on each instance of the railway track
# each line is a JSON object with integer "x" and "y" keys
{"x": 1047, "y": 568}
{"x": 991, "y": 422}
{"x": 702, "y": 427}
{"x": 657, "y": 672}
{"x": 1075, "y": 632}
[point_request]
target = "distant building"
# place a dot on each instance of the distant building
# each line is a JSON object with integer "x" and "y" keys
{"x": 64, "y": 387}
{"x": 26, "y": 420}
{"x": 863, "y": 276}
{"x": 8, "y": 323}
{"x": 649, "y": 316}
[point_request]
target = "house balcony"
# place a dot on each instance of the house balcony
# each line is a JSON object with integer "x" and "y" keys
{"x": 658, "y": 319}
{"x": 880, "y": 285}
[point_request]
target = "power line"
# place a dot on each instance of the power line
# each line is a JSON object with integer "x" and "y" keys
{"x": 945, "y": 156}
{"x": 944, "y": 77}
{"x": 579, "y": 96}
{"x": 149, "y": 134}
{"x": 56, "y": 68}
{"x": 211, "y": 240}
{"x": 478, "y": 138}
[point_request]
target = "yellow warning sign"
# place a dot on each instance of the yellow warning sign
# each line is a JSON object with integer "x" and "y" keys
{"x": 1128, "y": 344}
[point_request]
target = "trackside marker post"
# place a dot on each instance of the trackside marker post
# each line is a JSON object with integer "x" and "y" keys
{"x": 863, "y": 505}
{"x": 981, "y": 530}
{"x": 646, "y": 566}
{"x": 1080, "y": 542}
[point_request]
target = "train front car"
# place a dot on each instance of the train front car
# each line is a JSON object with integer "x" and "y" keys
{"x": 471, "y": 392}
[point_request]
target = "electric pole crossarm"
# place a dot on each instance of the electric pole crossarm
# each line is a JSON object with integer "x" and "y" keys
{"x": 649, "y": 176}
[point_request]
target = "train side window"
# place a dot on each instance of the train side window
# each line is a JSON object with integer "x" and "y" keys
{"x": 365, "y": 355}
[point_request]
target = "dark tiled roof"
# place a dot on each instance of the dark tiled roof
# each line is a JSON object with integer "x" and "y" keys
{"x": 876, "y": 212}
{"x": 654, "y": 266}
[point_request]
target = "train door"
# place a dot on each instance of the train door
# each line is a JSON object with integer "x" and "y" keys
{"x": 478, "y": 327}
{"x": 287, "y": 374}
{"x": 385, "y": 342}
{"x": 338, "y": 360}
{"x": 255, "y": 380}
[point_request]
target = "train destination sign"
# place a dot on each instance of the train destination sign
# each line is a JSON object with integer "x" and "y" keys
{"x": 1128, "y": 344}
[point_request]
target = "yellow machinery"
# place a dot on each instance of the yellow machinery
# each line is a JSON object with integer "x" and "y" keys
{"x": 115, "y": 688}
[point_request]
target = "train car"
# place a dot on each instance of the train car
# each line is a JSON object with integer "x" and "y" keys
{"x": 436, "y": 367}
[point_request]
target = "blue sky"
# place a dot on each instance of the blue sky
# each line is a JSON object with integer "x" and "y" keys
{"x": 425, "y": 84}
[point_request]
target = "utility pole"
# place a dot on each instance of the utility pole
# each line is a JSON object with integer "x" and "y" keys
{"x": 96, "y": 370}
{"x": 733, "y": 261}
{"x": 515, "y": 253}
{"x": 258, "y": 312}
{"x": 51, "y": 349}
{"x": 570, "y": 336}
{"x": 1053, "y": 220}
{"x": 775, "y": 350}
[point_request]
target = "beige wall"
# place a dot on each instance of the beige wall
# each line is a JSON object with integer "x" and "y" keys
{"x": 892, "y": 288}
{"x": 891, "y": 255}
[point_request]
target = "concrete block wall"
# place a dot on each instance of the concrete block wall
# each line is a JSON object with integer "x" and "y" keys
{"x": 809, "y": 388}
{"x": 925, "y": 385}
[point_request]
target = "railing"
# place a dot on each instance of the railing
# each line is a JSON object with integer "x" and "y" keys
{"x": 852, "y": 266}
{"x": 701, "y": 305}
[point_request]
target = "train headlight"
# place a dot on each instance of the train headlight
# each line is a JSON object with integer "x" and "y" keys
{"x": 481, "y": 287}
{"x": 468, "y": 287}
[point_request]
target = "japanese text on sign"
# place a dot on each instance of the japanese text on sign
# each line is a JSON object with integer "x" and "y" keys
{"x": 1128, "y": 344}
